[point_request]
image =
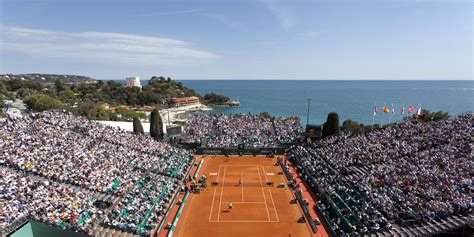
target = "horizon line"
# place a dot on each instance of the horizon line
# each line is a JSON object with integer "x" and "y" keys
{"x": 280, "y": 79}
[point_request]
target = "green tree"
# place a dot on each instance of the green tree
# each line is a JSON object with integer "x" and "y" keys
{"x": 265, "y": 114}
{"x": 2, "y": 104}
{"x": 15, "y": 84}
{"x": 137, "y": 126}
{"x": 84, "y": 107}
{"x": 67, "y": 95}
{"x": 156, "y": 125}
{"x": 41, "y": 102}
{"x": 213, "y": 98}
{"x": 127, "y": 114}
{"x": 59, "y": 86}
{"x": 352, "y": 126}
{"x": 98, "y": 113}
{"x": 428, "y": 116}
{"x": 331, "y": 126}
{"x": 25, "y": 92}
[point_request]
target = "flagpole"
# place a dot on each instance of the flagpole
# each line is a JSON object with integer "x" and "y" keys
{"x": 402, "y": 112}
{"x": 373, "y": 120}
{"x": 373, "y": 115}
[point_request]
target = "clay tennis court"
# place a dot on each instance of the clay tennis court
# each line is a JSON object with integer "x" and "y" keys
{"x": 259, "y": 209}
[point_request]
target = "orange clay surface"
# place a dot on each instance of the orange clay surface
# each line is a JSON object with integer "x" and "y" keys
{"x": 258, "y": 210}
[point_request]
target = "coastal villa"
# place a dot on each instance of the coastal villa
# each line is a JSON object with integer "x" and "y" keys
{"x": 177, "y": 102}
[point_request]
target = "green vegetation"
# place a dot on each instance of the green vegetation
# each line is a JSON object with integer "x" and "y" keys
{"x": 41, "y": 102}
{"x": 137, "y": 126}
{"x": 331, "y": 126}
{"x": 265, "y": 114}
{"x": 215, "y": 99}
{"x": 83, "y": 96}
{"x": 431, "y": 116}
{"x": 47, "y": 78}
{"x": 2, "y": 104}
{"x": 352, "y": 126}
{"x": 156, "y": 125}
{"x": 123, "y": 114}
{"x": 113, "y": 93}
{"x": 98, "y": 113}
{"x": 359, "y": 128}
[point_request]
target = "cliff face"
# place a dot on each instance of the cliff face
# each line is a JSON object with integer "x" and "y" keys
{"x": 47, "y": 78}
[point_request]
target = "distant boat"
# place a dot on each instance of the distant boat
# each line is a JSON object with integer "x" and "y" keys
{"x": 233, "y": 103}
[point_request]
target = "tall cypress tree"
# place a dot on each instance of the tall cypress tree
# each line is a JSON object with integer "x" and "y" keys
{"x": 156, "y": 125}
{"x": 137, "y": 126}
{"x": 331, "y": 126}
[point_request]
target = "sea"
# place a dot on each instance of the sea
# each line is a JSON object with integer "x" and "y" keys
{"x": 351, "y": 99}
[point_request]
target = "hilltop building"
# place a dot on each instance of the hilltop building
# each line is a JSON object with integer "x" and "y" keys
{"x": 133, "y": 81}
{"x": 176, "y": 102}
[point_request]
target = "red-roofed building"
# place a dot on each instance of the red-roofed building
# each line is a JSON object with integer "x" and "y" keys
{"x": 176, "y": 102}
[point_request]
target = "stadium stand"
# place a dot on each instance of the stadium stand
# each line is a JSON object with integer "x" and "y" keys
{"x": 220, "y": 130}
{"x": 65, "y": 164}
{"x": 413, "y": 178}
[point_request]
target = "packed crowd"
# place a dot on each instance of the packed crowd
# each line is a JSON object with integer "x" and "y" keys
{"x": 288, "y": 130}
{"x": 72, "y": 150}
{"x": 44, "y": 200}
{"x": 412, "y": 171}
{"x": 222, "y": 130}
{"x": 129, "y": 212}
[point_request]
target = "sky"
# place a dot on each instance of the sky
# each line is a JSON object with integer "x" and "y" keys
{"x": 240, "y": 39}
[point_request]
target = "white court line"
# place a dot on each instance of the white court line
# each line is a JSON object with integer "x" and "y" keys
{"x": 240, "y": 173}
{"x": 242, "y": 184}
{"x": 246, "y": 202}
{"x": 214, "y": 197}
{"x": 271, "y": 196}
{"x": 244, "y": 221}
{"x": 222, "y": 193}
{"x": 240, "y": 165}
{"x": 263, "y": 192}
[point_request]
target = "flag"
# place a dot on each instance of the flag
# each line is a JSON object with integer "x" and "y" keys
{"x": 402, "y": 110}
{"x": 375, "y": 110}
{"x": 411, "y": 109}
{"x": 385, "y": 109}
{"x": 393, "y": 109}
{"x": 420, "y": 112}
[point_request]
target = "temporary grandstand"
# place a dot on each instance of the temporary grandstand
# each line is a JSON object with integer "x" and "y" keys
{"x": 411, "y": 179}
{"x": 78, "y": 175}
{"x": 243, "y": 131}
{"x": 64, "y": 175}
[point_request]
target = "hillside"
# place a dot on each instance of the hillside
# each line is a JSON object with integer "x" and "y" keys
{"x": 48, "y": 78}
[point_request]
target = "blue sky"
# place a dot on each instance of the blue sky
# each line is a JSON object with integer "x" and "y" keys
{"x": 239, "y": 39}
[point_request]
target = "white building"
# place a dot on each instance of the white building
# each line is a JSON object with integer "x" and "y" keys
{"x": 133, "y": 81}
{"x": 12, "y": 112}
{"x": 127, "y": 126}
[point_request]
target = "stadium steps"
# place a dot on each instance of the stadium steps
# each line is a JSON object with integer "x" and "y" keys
{"x": 390, "y": 232}
{"x": 358, "y": 171}
{"x": 456, "y": 223}
{"x": 273, "y": 131}
{"x": 441, "y": 226}
{"x": 401, "y": 231}
{"x": 116, "y": 200}
{"x": 355, "y": 171}
{"x": 416, "y": 231}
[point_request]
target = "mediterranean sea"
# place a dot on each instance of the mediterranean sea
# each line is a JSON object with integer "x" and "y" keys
{"x": 350, "y": 99}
